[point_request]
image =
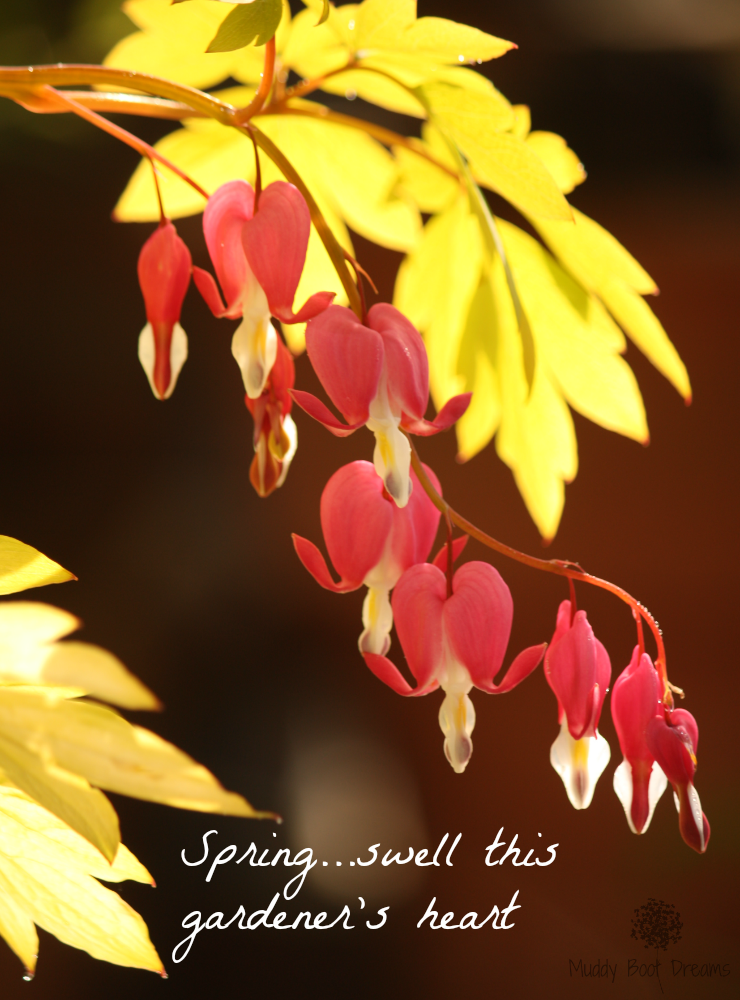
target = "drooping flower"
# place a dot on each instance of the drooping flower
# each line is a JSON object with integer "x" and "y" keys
{"x": 164, "y": 275}
{"x": 673, "y": 742}
{"x": 275, "y": 432}
{"x": 639, "y": 780}
{"x": 376, "y": 375}
{"x": 456, "y": 643}
{"x": 578, "y": 670}
{"x": 371, "y": 541}
{"x": 258, "y": 257}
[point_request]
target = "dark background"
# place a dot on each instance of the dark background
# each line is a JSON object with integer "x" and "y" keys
{"x": 191, "y": 579}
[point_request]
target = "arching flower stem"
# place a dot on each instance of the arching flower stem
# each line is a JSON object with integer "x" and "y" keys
{"x": 263, "y": 91}
{"x": 556, "y": 566}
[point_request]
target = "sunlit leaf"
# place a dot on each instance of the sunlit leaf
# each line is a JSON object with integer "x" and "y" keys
{"x": 46, "y": 878}
{"x": 566, "y": 169}
{"x": 431, "y": 188}
{"x": 173, "y": 40}
{"x": 522, "y": 120}
{"x": 601, "y": 264}
{"x": 22, "y": 566}
{"x": 434, "y": 288}
{"x": 478, "y": 363}
{"x": 93, "y": 741}
{"x": 392, "y": 25}
{"x": 576, "y": 338}
{"x": 326, "y": 10}
{"x": 254, "y": 22}
{"x": 536, "y": 437}
{"x": 30, "y": 654}
{"x": 66, "y": 795}
{"x": 498, "y": 159}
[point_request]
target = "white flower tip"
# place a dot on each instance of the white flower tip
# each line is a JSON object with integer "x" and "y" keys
{"x": 624, "y": 788}
{"x": 254, "y": 346}
{"x": 291, "y": 432}
{"x": 177, "y": 358}
{"x": 392, "y": 457}
{"x": 580, "y": 764}
{"x": 377, "y": 617}
{"x": 457, "y": 720}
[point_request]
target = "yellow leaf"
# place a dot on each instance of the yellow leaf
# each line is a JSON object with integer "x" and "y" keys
{"x": 96, "y": 743}
{"x": 174, "y": 39}
{"x": 468, "y": 113}
{"x": 498, "y": 160}
{"x": 44, "y": 879}
{"x": 536, "y": 438}
{"x": 22, "y": 566}
{"x": 566, "y": 169}
{"x": 318, "y": 274}
{"x": 646, "y": 331}
{"x": 601, "y": 264}
{"x": 392, "y": 25}
{"x": 522, "y": 121}
{"x": 477, "y": 362}
{"x": 574, "y": 334}
{"x": 434, "y": 288}
{"x": 19, "y": 931}
{"x": 208, "y": 152}
{"x": 352, "y": 172}
{"x": 431, "y": 188}
{"x": 27, "y": 656}
{"x": 68, "y": 796}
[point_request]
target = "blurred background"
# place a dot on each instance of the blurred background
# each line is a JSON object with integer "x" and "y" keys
{"x": 192, "y": 580}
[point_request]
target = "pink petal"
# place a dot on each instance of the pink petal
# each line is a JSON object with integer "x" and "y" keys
{"x": 227, "y": 211}
{"x": 575, "y": 663}
{"x": 418, "y": 603}
{"x": 275, "y": 240}
{"x": 458, "y": 544}
{"x": 672, "y": 747}
{"x": 389, "y": 674}
{"x": 635, "y": 700}
{"x": 406, "y": 359}
{"x": 450, "y": 412}
{"x": 316, "y": 566}
{"x": 356, "y": 519}
{"x": 521, "y": 668}
{"x": 164, "y": 275}
{"x": 415, "y": 525}
{"x": 206, "y": 285}
{"x": 478, "y": 620}
{"x": 319, "y": 411}
{"x": 348, "y": 359}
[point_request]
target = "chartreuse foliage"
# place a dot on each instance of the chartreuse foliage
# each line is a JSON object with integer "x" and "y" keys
{"x": 534, "y": 329}
{"x": 58, "y": 832}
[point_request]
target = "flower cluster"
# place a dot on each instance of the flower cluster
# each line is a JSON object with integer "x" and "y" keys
{"x": 379, "y": 522}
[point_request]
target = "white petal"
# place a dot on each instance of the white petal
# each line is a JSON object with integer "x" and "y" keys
{"x": 291, "y": 432}
{"x": 377, "y": 617}
{"x": 254, "y": 344}
{"x": 392, "y": 457}
{"x": 580, "y": 764}
{"x": 457, "y": 720}
{"x": 178, "y": 356}
{"x": 623, "y": 786}
{"x": 696, "y": 812}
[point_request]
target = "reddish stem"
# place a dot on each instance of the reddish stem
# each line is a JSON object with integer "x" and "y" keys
{"x": 556, "y": 566}
{"x": 58, "y": 97}
{"x": 263, "y": 92}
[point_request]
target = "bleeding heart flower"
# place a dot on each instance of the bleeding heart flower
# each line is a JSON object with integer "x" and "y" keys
{"x": 638, "y": 781}
{"x": 673, "y": 744}
{"x": 370, "y": 541}
{"x": 578, "y": 670}
{"x": 164, "y": 275}
{"x": 376, "y": 375}
{"x": 275, "y": 432}
{"x": 455, "y": 643}
{"x": 259, "y": 258}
